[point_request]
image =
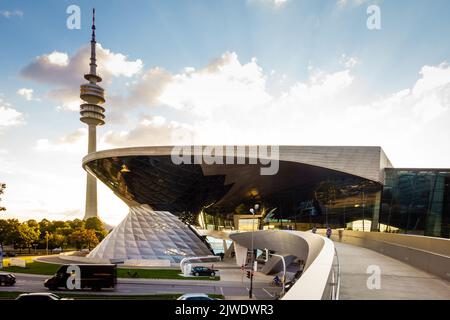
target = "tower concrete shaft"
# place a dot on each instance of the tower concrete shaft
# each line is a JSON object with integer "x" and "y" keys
{"x": 92, "y": 113}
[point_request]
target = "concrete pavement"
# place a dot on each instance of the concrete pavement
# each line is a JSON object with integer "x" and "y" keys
{"x": 399, "y": 280}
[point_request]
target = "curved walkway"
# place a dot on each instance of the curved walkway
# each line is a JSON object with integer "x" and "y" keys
{"x": 398, "y": 280}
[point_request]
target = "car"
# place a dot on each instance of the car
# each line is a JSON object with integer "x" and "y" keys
{"x": 9, "y": 254}
{"x": 39, "y": 296}
{"x": 203, "y": 271}
{"x": 195, "y": 296}
{"x": 7, "y": 279}
{"x": 57, "y": 250}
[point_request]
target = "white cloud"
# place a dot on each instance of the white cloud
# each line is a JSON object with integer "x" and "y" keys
{"x": 151, "y": 130}
{"x": 60, "y": 59}
{"x": 27, "y": 94}
{"x": 143, "y": 92}
{"x": 118, "y": 64}
{"x": 66, "y": 72}
{"x": 356, "y": 3}
{"x": 223, "y": 86}
{"x": 275, "y": 3}
{"x": 229, "y": 102}
{"x": 75, "y": 142}
{"x": 60, "y": 68}
{"x": 9, "y": 14}
{"x": 349, "y": 62}
{"x": 9, "y": 116}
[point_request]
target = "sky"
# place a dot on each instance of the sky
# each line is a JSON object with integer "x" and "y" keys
{"x": 236, "y": 72}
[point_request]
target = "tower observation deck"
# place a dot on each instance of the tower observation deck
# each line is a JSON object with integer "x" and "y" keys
{"x": 92, "y": 113}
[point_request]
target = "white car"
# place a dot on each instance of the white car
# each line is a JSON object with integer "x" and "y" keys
{"x": 39, "y": 296}
{"x": 195, "y": 296}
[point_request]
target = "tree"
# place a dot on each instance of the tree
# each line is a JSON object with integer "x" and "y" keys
{"x": 2, "y": 190}
{"x": 5, "y": 230}
{"x": 45, "y": 225}
{"x": 76, "y": 238}
{"x": 58, "y": 240}
{"x": 83, "y": 238}
{"x": 90, "y": 238}
{"x": 13, "y": 235}
{"x": 97, "y": 226}
{"x": 29, "y": 233}
{"x": 76, "y": 224}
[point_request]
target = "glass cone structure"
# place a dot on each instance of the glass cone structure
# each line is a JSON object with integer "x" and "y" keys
{"x": 146, "y": 234}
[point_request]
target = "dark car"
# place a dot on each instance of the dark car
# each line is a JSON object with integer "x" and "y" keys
{"x": 45, "y": 296}
{"x": 203, "y": 271}
{"x": 93, "y": 276}
{"x": 9, "y": 254}
{"x": 7, "y": 279}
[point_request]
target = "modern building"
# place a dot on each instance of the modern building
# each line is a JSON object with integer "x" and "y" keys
{"x": 320, "y": 186}
{"x": 92, "y": 114}
{"x": 293, "y": 187}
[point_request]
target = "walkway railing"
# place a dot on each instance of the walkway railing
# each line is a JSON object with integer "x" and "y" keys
{"x": 331, "y": 291}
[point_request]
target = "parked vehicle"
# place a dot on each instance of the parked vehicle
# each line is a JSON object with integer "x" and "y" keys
{"x": 39, "y": 296}
{"x": 203, "y": 271}
{"x": 7, "y": 279}
{"x": 9, "y": 254}
{"x": 195, "y": 296}
{"x": 93, "y": 276}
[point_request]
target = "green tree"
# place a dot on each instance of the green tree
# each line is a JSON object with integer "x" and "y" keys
{"x": 83, "y": 238}
{"x": 91, "y": 239}
{"x": 58, "y": 240}
{"x": 45, "y": 225}
{"x": 76, "y": 224}
{"x": 58, "y": 225}
{"x": 2, "y": 190}
{"x": 97, "y": 226}
{"x": 5, "y": 230}
{"x": 13, "y": 235}
{"x": 29, "y": 233}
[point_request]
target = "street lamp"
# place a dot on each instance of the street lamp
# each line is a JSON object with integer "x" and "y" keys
{"x": 46, "y": 241}
{"x": 252, "y": 211}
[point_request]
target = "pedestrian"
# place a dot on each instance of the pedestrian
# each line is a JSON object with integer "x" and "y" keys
{"x": 328, "y": 232}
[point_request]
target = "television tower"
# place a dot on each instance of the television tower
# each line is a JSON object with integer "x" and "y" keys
{"x": 93, "y": 115}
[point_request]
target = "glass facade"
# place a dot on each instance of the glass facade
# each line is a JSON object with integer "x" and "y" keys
{"x": 417, "y": 201}
{"x": 299, "y": 196}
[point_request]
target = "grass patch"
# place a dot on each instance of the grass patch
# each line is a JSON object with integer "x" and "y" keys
{"x": 158, "y": 274}
{"x": 171, "y": 296}
{"x": 42, "y": 268}
{"x": 32, "y": 267}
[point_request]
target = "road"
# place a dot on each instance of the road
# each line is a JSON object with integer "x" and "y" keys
{"x": 229, "y": 289}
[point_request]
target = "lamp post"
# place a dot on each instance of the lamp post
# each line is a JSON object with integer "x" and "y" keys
{"x": 46, "y": 242}
{"x": 252, "y": 211}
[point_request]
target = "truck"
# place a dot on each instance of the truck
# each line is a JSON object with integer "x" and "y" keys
{"x": 92, "y": 276}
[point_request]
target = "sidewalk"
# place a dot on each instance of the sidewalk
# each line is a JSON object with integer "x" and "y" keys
{"x": 398, "y": 279}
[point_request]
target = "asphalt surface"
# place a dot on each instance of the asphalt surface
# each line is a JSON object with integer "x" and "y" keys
{"x": 229, "y": 289}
